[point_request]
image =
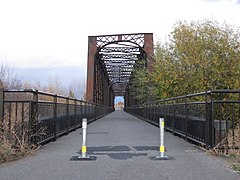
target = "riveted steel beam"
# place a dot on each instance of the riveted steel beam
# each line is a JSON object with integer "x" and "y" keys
{"x": 111, "y": 60}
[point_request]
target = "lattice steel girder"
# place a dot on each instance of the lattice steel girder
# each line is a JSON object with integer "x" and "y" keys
{"x": 110, "y": 65}
{"x": 137, "y": 38}
{"x": 116, "y": 56}
{"x": 119, "y": 56}
{"x": 122, "y": 72}
{"x": 134, "y": 50}
{"x": 119, "y": 61}
{"x": 117, "y": 67}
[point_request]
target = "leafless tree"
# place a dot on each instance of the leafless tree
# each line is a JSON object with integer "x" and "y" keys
{"x": 9, "y": 77}
{"x": 77, "y": 87}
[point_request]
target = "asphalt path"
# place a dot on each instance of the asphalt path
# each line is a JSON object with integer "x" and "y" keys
{"x": 123, "y": 146}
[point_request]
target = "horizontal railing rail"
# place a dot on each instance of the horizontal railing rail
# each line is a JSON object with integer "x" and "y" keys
{"x": 205, "y": 118}
{"x": 46, "y": 116}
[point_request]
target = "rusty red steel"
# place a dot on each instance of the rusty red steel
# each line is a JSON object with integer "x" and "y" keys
{"x": 111, "y": 60}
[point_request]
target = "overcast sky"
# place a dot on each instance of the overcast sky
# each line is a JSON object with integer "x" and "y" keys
{"x": 53, "y": 34}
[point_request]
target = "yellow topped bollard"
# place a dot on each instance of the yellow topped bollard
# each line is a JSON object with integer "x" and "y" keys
{"x": 162, "y": 149}
{"x": 84, "y": 156}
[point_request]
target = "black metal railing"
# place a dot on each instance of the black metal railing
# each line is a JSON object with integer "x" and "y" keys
{"x": 46, "y": 116}
{"x": 205, "y": 118}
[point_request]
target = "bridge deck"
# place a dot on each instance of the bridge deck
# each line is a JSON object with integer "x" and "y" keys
{"x": 122, "y": 144}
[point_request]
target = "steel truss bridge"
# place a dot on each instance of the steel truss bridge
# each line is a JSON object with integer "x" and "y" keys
{"x": 111, "y": 61}
{"x": 205, "y": 118}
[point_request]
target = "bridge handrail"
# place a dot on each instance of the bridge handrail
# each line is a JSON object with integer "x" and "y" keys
{"x": 219, "y": 111}
{"x": 54, "y": 113}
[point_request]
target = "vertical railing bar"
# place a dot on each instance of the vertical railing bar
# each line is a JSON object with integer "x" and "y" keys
{"x": 10, "y": 116}
{"x": 75, "y": 114}
{"x": 173, "y": 123}
{"x": 2, "y": 103}
{"x": 67, "y": 111}
{"x": 35, "y": 116}
{"x": 30, "y": 121}
{"x": 220, "y": 125}
{"x": 164, "y": 110}
{"x": 95, "y": 108}
{"x": 82, "y": 108}
{"x": 212, "y": 134}
{"x": 16, "y": 114}
{"x": 55, "y": 117}
{"x": 22, "y": 118}
{"x": 186, "y": 117}
{"x": 233, "y": 128}
{"x": 207, "y": 119}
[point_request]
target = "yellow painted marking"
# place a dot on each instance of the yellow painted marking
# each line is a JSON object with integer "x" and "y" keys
{"x": 162, "y": 123}
{"x": 84, "y": 149}
{"x": 161, "y": 148}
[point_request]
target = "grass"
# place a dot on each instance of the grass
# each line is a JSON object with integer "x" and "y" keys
{"x": 15, "y": 144}
{"x": 236, "y": 167}
{"x": 229, "y": 150}
{"x": 8, "y": 152}
{"x": 233, "y": 160}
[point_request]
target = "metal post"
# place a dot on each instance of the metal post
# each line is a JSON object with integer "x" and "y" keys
{"x": 75, "y": 114}
{"x": 67, "y": 110}
{"x": 55, "y": 117}
{"x": 1, "y": 101}
{"x": 84, "y": 137}
{"x": 34, "y": 116}
{"x": 161, "y": 155}
{"x": 161, "y": 147}
{"x": 84, "y": 156}
{"x": 1, "y": 108}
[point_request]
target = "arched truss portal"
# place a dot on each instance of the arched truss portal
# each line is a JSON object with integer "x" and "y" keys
{"x": 118, "y": 59}
{"x": 111, "y": 59}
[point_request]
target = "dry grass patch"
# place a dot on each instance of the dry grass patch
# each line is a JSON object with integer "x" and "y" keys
{"x": 229, "y": 149}
{"x": 15, "y": 142}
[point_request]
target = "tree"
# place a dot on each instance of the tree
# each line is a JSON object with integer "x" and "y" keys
{"x": 199, "y": 56}
{"x": 9, "y": 78}
{"x": 77, "y": 87}
{"x": 54, "y": 85}
{"x": 139, "y": 82}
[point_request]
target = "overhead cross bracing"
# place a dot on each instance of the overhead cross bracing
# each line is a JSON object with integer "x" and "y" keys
{"x": 111, "y": 62}
{"x": 119, "y": 60}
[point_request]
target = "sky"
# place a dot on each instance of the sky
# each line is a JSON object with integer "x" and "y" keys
{"x": 42, "y": 38}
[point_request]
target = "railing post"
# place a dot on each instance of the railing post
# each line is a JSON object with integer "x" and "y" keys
{"x": 1, "y": 106}
{"x": 209, "y": 126}
{"x": 95, "y": 111}
{"x": 34, "y": 117}
{"x": 55, "y": 117}
{"x": 1, "y": 101}
{"x": 67, "y": 110}
{"x": 164, "y": 110}
{"x": 174, "y": 116}
{"x": 186, "y": 118}
{"x": 81, "y": 109}
{"x": 75, "y": 114}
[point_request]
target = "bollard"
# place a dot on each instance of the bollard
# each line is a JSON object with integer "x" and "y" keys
{"x": 161, "y": 147}
{"x": 84, "y": 156}
{"x": 84, "y": 138}
{"x": 161, "y": 155}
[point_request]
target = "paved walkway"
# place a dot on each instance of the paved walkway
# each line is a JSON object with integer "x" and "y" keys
{"x": 123, "y": 145}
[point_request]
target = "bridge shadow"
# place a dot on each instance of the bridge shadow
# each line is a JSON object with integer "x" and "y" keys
{"x": 121, "y": 152}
